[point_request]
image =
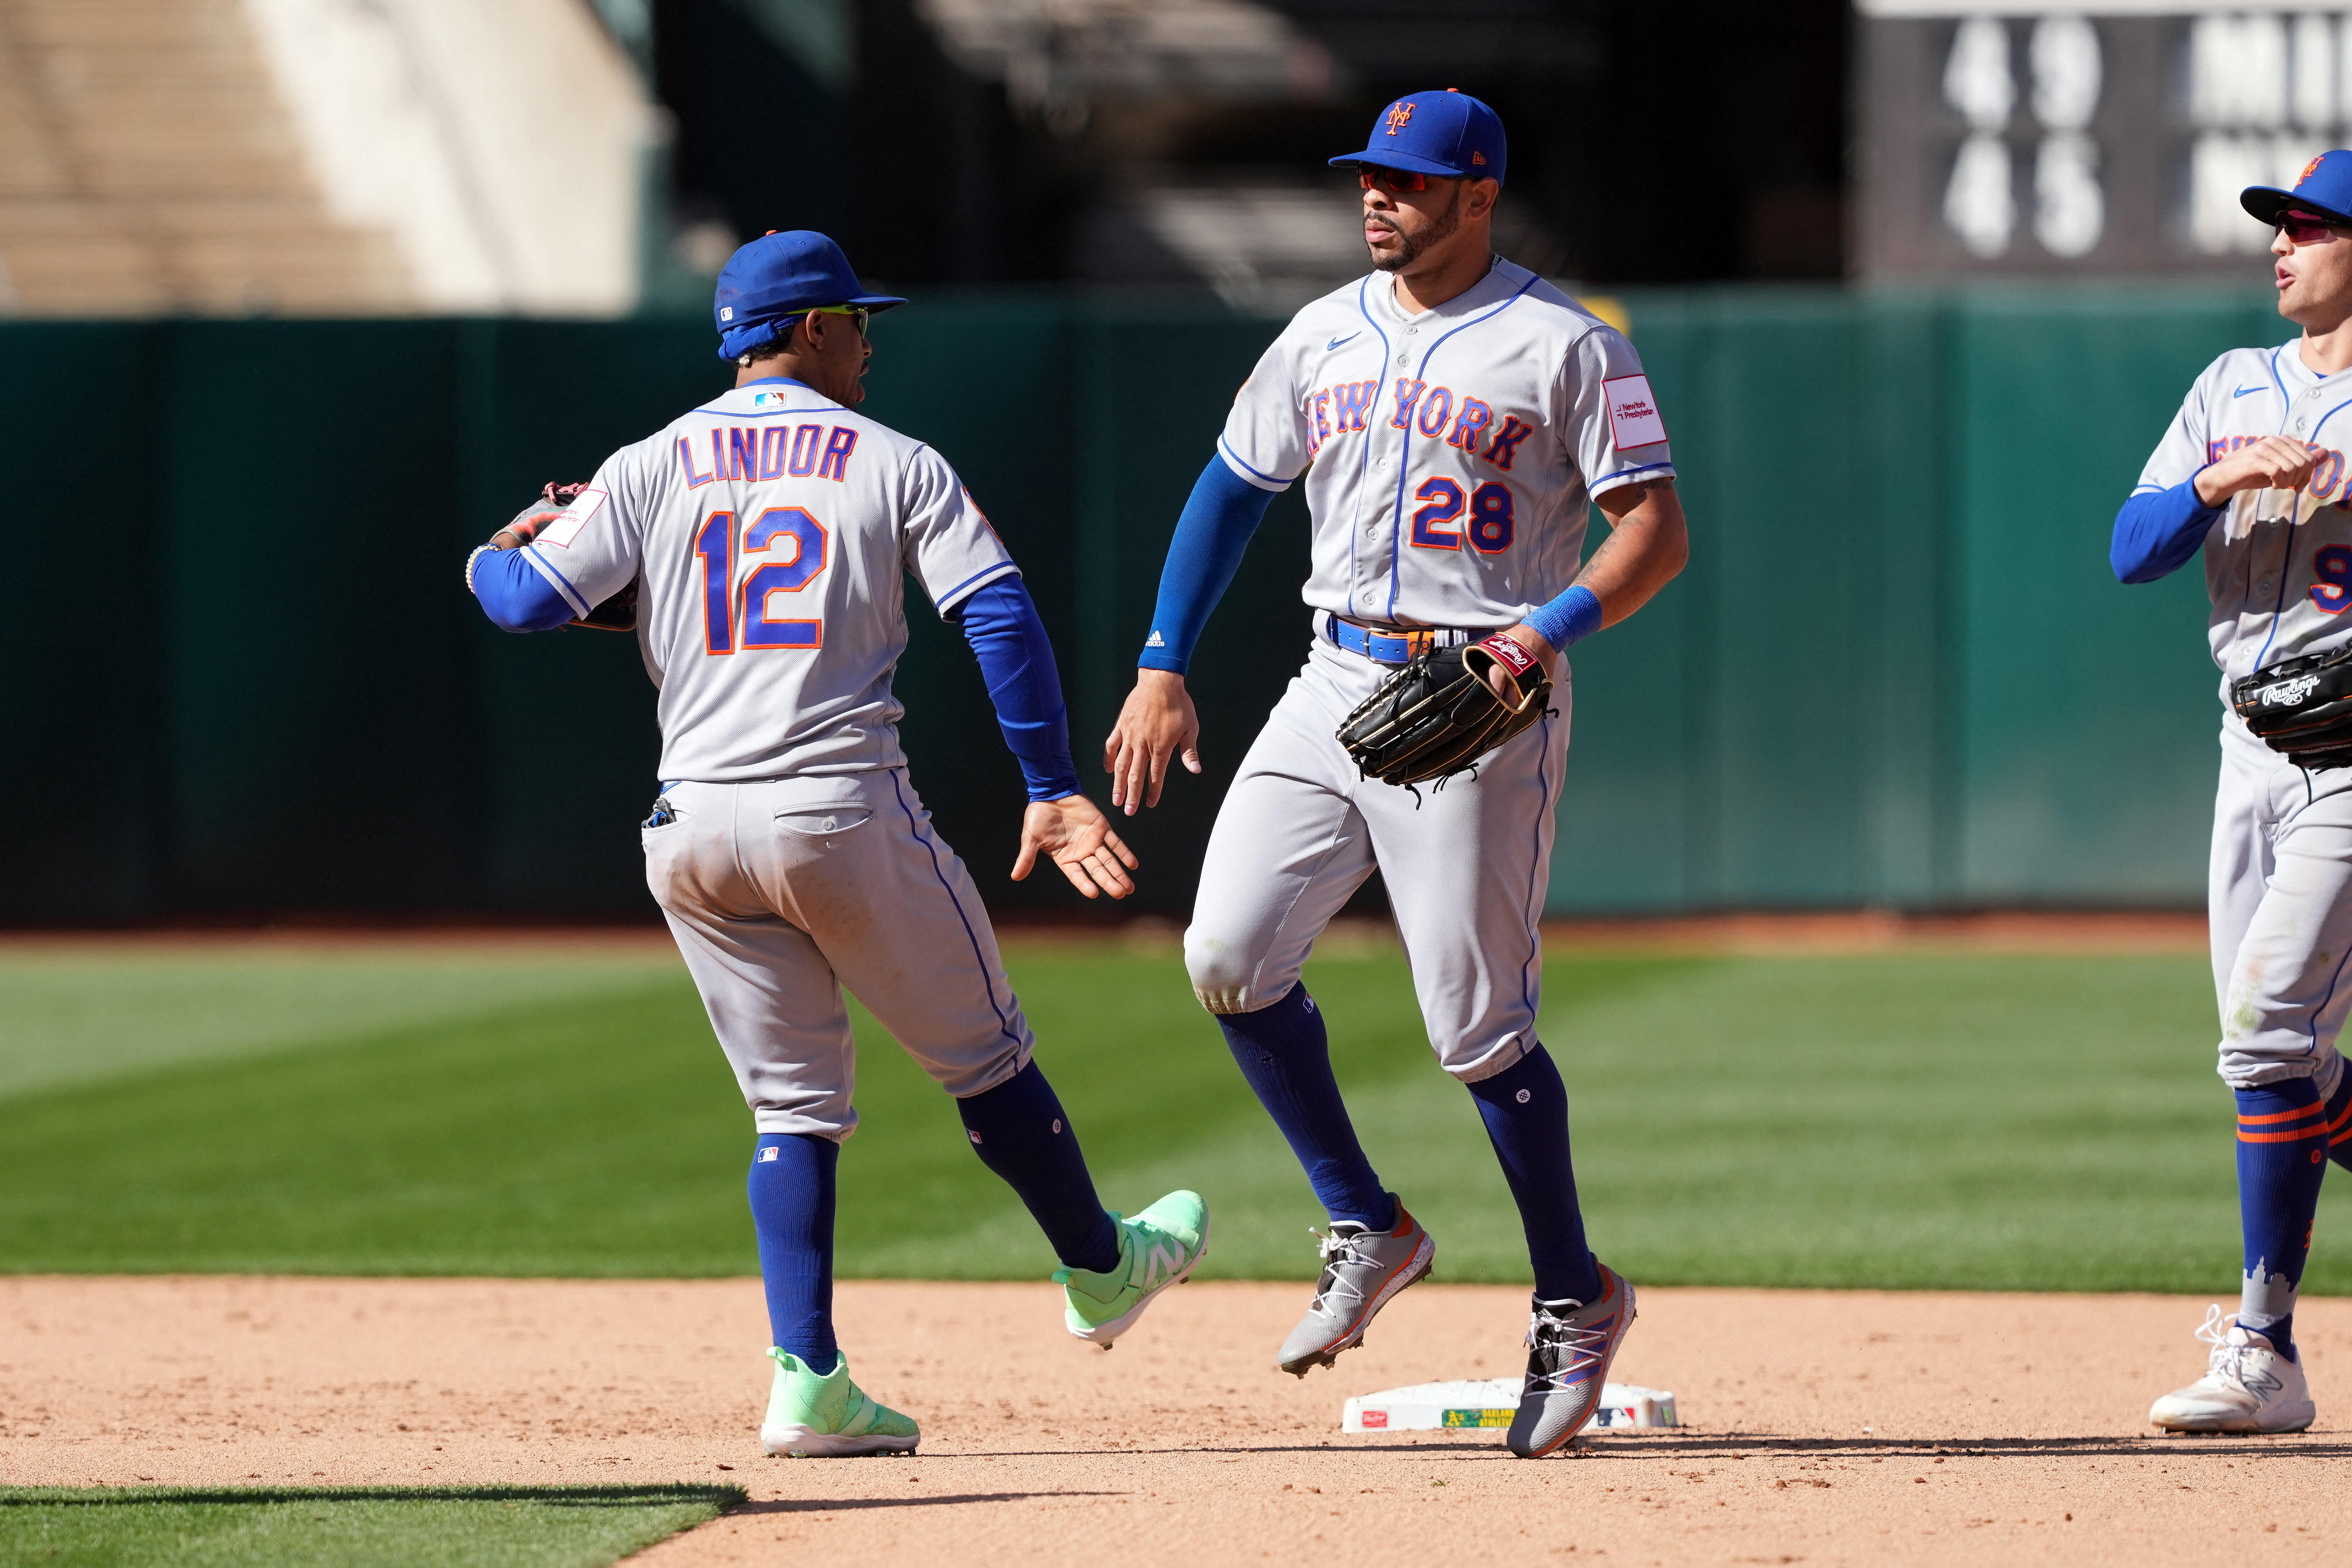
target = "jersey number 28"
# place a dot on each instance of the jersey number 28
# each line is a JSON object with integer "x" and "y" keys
{"x": 1491, "y": 525}
{"x": 724, "y": 611}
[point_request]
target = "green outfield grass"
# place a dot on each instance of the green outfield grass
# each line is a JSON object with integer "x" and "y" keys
{"x": 346, "y": 1527}
{"x": 1897, "y": 1120}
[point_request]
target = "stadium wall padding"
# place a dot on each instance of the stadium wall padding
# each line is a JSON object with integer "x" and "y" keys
{"x": 243, "y": 676}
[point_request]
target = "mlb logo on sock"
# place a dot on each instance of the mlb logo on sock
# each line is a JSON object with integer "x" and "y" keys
{"x": 768, "y": 1155}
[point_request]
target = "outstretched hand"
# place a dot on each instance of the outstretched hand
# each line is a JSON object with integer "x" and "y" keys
{"x": 1157, "y": 725}
{"x": 1074, "y": 834}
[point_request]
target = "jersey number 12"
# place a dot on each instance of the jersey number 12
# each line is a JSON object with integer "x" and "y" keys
{"x": 724, "y": 610}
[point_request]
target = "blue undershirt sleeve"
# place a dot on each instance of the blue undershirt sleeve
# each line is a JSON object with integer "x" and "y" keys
{"x": 515, "y": 597}
{"x": 2157, "y": 533}
{"x": 1000, "y": 620}
{"x": 1215, "y": 527}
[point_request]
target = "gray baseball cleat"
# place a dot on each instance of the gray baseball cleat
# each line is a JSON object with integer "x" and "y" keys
{"x": 1568, "y": 1363}
{"x": 1362, "y": 1271}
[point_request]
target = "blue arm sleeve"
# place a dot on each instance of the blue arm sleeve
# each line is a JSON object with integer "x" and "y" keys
{"x": 2157, "y": 530}
{"x": 1000, "y": 620}
{"x": 1211, "y": 534}
{"x": 515, "y": 597}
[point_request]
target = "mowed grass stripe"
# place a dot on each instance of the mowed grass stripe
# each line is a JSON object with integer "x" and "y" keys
{"x": 83, "y": 1016}
{"x": 351, "y": 1527}
{"x": 1896, "y": 1120}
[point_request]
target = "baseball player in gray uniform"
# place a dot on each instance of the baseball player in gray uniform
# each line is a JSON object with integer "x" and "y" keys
{"x": 1452, "y": 416}
{"x": 769, "y": 534}
{"x": 2249, "y": 476}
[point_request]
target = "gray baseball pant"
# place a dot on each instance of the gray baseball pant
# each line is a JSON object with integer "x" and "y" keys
{"x": 782, "y": 892}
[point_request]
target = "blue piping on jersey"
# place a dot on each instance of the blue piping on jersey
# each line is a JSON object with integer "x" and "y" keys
{"x": 1621, "y": 473}
{"x": 1535, "y": 936}
{"x": 949, "y": 599}
{"x": 2287, "y": 560}
{"x": 986, "y": 980}
{"x": 772, "y": 414}
{"x": 2326, "y": 417}
{"x": 2333, "y": 979}
{"x": 580, "y": 606}
{"x": 1232, "y": 457}
{"x": 1365, "y": 310}
{"x": 1421, "y": 373}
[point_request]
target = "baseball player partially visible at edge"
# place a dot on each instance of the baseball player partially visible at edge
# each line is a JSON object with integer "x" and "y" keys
{"x": 770, "y": 532}
{"x": 1453, "y": 416}
{"x": 2248, "y": 476}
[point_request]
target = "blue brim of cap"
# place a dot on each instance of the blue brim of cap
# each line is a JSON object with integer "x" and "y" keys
{"x": 1404, "y": 161}
{"x": 2268, "y": 204}
{"x": 875, "y": 301}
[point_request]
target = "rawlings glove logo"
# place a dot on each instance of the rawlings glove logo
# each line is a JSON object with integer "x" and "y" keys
{"x": 2290, "y": 693}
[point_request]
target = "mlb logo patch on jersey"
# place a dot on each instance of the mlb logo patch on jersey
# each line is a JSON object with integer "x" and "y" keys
{"x": 566, "y": 528}
{"x": 1633, "y": 416}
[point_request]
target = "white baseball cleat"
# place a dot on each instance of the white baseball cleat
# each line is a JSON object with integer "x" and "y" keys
{"x": 2247, "y": 1386}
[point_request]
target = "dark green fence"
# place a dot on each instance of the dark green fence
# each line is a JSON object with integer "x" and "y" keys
{"x": 242, "y": 675}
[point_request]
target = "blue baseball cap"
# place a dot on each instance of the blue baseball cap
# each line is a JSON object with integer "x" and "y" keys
{"x": 780, "y": 276}
{"x": 2324, "y": 187}
{"x": 1448, "y": 132}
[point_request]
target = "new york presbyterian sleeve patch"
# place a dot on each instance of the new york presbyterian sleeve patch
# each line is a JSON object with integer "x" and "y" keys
{"x": 566, "y": 528}
{"x": 1633, "y": 416}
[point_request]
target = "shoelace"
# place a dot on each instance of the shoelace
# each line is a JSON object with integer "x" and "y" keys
{"x": 1582, "y": 1349}
{"x": 2227, "y": 1361}
{"x": 1346, "y": 1250}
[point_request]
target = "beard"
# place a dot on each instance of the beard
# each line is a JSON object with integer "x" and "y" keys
{"x": 1410, "y": 247}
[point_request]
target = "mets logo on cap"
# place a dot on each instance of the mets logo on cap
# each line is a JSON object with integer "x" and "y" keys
{"x": 1441, "y": 132}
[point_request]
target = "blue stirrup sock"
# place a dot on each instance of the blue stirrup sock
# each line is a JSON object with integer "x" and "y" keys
{"x": 2282, "y": 1158}
{"x": 792, "y": 1190}
{"x": 1284, "y": 1054}
{"x": 1525, "y": 1108}
{"x": 1019, "y": 1131}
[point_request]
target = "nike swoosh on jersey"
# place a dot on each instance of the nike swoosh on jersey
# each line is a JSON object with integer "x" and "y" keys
{"x": 2243, "y": 390}
{"x": 1335, "y": 343}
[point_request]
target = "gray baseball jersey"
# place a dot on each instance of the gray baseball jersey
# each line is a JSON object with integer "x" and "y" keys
{"x": 1448, "y": 456}
{"x": 2278, "y": 564}
{"x": 772, "y": 529}
{"x": 2278, "y": 568}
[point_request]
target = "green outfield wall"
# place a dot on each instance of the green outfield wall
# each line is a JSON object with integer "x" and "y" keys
{"x": 239, "y": 673}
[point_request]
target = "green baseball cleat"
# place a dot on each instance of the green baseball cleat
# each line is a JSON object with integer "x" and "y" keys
{"x": 828, "y": 1416}
{"x": 1157, "y": 1248}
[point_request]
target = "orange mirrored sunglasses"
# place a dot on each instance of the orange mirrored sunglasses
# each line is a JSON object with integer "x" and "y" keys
{"x": 1396, "y": 180}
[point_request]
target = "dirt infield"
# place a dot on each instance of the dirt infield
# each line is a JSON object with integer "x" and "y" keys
{"x": 1821, "y": 1427}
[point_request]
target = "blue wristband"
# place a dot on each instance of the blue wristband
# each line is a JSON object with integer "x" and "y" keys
{"x": 1570, "y": 618}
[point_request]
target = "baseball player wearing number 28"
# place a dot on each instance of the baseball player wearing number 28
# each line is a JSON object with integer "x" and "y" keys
{"x": 1453, "y": 417}
{"x": 2247, "y": 476}
{"x": 770, "y": 534}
